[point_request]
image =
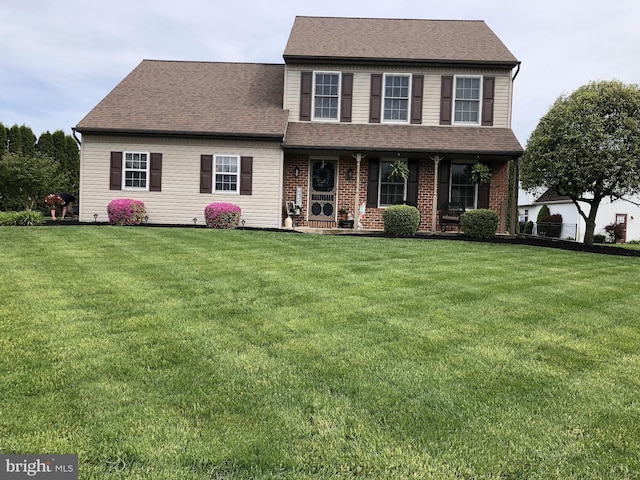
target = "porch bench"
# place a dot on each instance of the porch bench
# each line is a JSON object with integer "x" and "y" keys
{"x": 450, "y": 215}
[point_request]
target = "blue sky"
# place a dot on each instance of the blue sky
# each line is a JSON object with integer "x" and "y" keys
{"x": 59, "y": 58}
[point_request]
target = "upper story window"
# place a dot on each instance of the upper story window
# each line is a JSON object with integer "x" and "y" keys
{"x": 467, "y": 100}
{"x": 226, "y": 173}
{"x": 392, "y": 190}
{"x": 326, "y": 95}
{"x": 396, "y": 98}
{"x": 136, "y": 170}
{"x": 463, "y": 190}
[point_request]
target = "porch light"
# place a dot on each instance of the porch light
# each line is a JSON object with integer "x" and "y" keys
{"x": 349, "y": 174}
{"x": 146, "y": 219}
{"x": 195, "y": 220}
{"x": 296, "y": 171}
{"x": 95, "y": 218}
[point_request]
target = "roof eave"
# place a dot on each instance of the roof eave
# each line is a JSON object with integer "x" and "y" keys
{"x": 326, "y": 60}
{"x": 181, "y": 133}
{"x": 443, "y": 151}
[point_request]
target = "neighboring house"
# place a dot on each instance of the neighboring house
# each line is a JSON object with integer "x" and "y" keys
{"x": 318, "y": 132}
{"x": 618, "y": 211}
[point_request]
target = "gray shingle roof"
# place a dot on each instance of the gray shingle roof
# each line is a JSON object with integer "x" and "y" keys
{"x": 431, "y": 41}
{"x": 199, "y": 98}
{"x": 463, "y": 140}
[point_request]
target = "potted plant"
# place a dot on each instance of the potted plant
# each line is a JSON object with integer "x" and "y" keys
{"x": 480, "y": 173}
{"x": 398, "y": 171}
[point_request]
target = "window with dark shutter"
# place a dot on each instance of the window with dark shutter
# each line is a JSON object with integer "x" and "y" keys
{"x": 446, "y": 99}
{"x": 488, "y": 91}
{"x": 417, "y": 85}
{"x": 206, "y": 173}
{"x": 346, "y": 99}
{"x": 375, "y": 101}
{"x": 306, "y": 87}
{"x": 155, "y": 169}
{"x": 246, "y": 174}
{"x": 372, "y": 183}
{"x": 115, "y": 171}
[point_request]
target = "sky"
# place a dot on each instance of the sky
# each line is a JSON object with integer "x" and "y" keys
{"x": 60, "y": 58}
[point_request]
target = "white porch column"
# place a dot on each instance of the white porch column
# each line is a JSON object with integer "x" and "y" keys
{"x": 356, "y": 210}
{"x": 434, "y": 203}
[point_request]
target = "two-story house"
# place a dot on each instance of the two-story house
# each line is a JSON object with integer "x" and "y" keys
{"x": 321, "y": 131}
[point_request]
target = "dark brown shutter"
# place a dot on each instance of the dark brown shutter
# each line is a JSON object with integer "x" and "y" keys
{"x": 155, "y": 170}
{"x": 206, "y": 173}
{"x": 115, "y": 171}
{"x": 483, "y": 195}
{"x": 444, "y": 169}
{"x": 446, "y": 100}
{"x": 375, "y": 101}
{"x": 306, "y": 87}
{"x": 488, "y": 90}
{"x": 246, "y": 174}
{"x": 416, "y": 99}
{"x": 346, "y": 99}
{"x": 412, "y": 182}
{"x": 372, "y": 183}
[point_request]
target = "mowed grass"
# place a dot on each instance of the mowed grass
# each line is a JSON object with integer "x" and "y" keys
{"x": 159, "y": 353}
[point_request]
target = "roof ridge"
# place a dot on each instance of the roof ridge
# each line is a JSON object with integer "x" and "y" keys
{"x": 392, "y": 18}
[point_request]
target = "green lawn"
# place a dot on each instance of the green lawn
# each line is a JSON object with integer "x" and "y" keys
{"x": 159, "y": 353}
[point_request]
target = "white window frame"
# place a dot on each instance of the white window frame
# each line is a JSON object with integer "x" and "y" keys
{"x": 384, "y": 97}
{"x": 216, "y": 173}
{"x": 131, "y": 169}
{"x": 475, "y": 194}
{"x": 380, "y": 182}
{"x": 455, "y": 99}
{"x": 313, "y": 103}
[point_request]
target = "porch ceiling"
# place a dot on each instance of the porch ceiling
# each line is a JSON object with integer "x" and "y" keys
{"x": 401, "y": 138}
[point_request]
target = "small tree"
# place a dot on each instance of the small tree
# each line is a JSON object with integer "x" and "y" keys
{"x": 587, "y": 147}
{"x": 26, "y": 180}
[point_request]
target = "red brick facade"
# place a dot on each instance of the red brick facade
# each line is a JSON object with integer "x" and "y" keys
{"x": 346, "y": 191}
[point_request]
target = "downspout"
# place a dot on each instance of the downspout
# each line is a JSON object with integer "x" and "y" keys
{"x": 73, "y": 129}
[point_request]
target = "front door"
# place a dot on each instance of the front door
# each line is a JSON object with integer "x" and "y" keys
{"x": 621, "y": 219}
{"x": 322, "y": 190}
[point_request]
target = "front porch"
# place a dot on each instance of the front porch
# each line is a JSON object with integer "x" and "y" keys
{"x": 351, "y": 183}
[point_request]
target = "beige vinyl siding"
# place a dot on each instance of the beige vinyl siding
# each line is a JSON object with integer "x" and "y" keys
{"x": 431, "y": 98}
{"x": 180, "y": 200}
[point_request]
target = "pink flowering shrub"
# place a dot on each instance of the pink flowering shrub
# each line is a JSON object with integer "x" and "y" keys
{"x": 222, "y": 215}
{"x": 125, "y": 211}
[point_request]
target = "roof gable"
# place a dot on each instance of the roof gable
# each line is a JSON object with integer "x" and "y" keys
{"x": 198, "y": 98}
{"x": 396, "y": 40}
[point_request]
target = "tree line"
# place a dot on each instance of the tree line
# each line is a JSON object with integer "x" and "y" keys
{"x": 32, "y": 167}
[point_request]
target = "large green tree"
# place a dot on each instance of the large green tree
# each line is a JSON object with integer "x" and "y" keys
{"x": 587, "y": 147}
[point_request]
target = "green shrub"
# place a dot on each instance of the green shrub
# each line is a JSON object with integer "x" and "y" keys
{"x": 528, "y": 227}
{"x": 544, "y": 211}
{"x": 29, "y": 218}
{"x": 598, "y": 238}
{"x": 481, "y": 223}
{"x": 23, "y": 218}
{"x": 401, "y": 220}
